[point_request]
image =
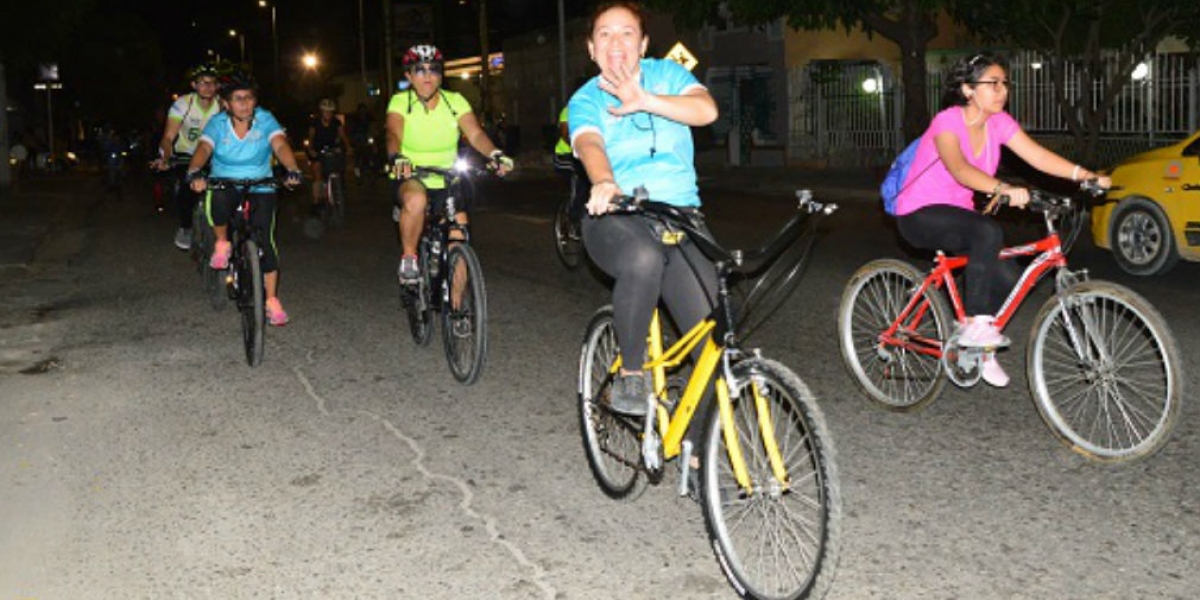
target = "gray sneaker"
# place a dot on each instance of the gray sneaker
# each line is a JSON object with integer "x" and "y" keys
{"x": 183, "y": 239}
{"x": 630, "y": 394}
{"x": 409, "y": 271}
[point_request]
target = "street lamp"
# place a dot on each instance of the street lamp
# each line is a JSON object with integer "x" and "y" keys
{"x": 241, "y": 44}
{"x": 311, "y": 63}
{"x": 49, "y": 86}
{"x": 274, "y": 41}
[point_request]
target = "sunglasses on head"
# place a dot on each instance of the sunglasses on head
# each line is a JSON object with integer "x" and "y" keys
{"x": 425, "y": 69}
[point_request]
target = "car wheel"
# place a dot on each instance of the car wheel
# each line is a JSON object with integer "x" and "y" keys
{"x": 1141, "y": 238}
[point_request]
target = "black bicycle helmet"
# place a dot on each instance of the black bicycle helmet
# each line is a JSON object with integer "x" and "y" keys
{"x": 235, "y": 81}
{"x": 422, "y": 53}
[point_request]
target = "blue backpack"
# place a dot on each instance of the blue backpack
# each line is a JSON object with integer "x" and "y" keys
{"x": 893, "y": 183}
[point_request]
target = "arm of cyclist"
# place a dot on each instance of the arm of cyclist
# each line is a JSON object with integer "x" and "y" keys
{"x": 969, "y": 176}
{"x": 166, "y": 146}
{"x": 479, "y": 140}
{"x": 1046, "y": 161}
{"x": 401, "y": 167}
{"x": 287, "y": 158}
{"x": 200, "y": 158}
{"x": 589, "y": 147}
{"x": 694, "y": 107}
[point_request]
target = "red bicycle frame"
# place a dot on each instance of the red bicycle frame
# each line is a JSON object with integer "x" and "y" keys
{"x": 903, "y": 332}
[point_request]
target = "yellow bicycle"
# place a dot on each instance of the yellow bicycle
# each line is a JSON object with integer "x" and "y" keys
{"x": 767, "y": 481}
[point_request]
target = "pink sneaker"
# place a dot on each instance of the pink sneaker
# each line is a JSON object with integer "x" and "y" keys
{"x": 220, "y": 255}
{"x": 993, "y": 373}
{"x": 980, "y": 332}
{"x": 276, "y": 316}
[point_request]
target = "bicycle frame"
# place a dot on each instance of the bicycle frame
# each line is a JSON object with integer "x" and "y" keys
{"x": 673, "y": 426}
{"x": 1048, "y": 255}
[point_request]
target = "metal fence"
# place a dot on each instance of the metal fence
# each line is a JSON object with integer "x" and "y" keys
{"x": 848, "y": 113}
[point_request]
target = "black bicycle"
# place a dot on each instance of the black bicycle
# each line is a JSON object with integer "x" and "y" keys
{"x": 451, "y": 281}
{"x": 333, "y": 165}
{"x": 568, "y": 237}
{"x": 243, "y": 277}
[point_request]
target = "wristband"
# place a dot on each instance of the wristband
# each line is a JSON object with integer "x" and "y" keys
{"x": 996, "y": 190}
{"x": 1075, "y": 173}
{"x": 604, "y": 181}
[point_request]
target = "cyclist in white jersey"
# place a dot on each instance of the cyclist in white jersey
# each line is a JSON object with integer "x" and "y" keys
{"x": 185, "y": 121}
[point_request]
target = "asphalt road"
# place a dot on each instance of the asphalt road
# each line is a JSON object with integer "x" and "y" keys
{"x": 146, "y": 460}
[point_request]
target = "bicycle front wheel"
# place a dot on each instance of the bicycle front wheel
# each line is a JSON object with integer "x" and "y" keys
{"x": 464, "y": 314}
{"x": 903, "y": 373}
{"x": 568, "y": 242}
{"x": 251, "y": 303}
{"x": 612, "y": 442}
{"x": 779, "y": 539}
{"x": 337, "y": 201}
{"x": 1104, "y": 372}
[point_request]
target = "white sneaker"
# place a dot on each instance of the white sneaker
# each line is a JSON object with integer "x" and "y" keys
{"x": 980, "y": 332}
{"x": 183, "y": 239}
{"x": 993, "y": 373}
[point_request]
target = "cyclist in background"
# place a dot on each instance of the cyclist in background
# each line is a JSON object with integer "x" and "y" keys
{"x": 569, "y": 167}
{"x": 326, "y": 132}
{"x": 185, "y": 121}
{"x": 240, "y": 142}
{"x": 423, "y": 127}
{"x": 936, "y": 211}
{"x": 631, "y": 129}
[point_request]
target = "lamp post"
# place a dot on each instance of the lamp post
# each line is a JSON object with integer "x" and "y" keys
{"x": 274, "y": 43}
{"x": 49, "y": 87}
{"x": 241, "y": 45}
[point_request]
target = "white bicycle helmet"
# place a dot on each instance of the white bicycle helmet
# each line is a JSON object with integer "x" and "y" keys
{"x": 422, "y": 53}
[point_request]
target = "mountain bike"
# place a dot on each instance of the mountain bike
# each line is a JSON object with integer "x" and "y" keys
{"x": 243, "y": 277}
{"x": 767, "y": 480}
{"x": 451, "y": 281}
{"x": 1102, "y": 365}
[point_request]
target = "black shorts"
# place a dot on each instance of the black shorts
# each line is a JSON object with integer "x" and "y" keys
{"x": 436, "y": 198}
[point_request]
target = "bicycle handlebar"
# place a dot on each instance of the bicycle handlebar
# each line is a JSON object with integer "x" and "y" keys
{"x": 224, "y": 183}
{"x": 738, "y": 261}
{"x": 1054, "y": 204}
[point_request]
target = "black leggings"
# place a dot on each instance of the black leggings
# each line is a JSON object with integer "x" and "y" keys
{"x": 958, "y": 231}
{"x": 221, "y": 205}
{"x": 644, "y": 269}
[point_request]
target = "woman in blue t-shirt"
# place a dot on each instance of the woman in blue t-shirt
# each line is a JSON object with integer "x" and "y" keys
{"x": 630, "y": 126}
{"x": 240, "y": 142}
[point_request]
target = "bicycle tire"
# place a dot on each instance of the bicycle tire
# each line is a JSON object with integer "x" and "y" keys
{"x": 893, "y": 377}
{"x": 339, "y": 189}
{"x": 414, "y": 299}
{"x": 611, "y": 442}
{"x": 251, "y": 302}
{"x": 464, "y": 329}
{"x": 1121, "y": 405}
{"x": 568, "y": 241}
{"x": 780, "y": 541}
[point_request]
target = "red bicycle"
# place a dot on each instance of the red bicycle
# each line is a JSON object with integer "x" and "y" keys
{"x": 1103, "y": 366}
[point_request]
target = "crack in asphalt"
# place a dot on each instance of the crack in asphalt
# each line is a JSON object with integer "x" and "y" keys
{"x": 491, "y": 524}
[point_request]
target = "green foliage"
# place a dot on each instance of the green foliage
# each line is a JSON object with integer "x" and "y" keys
{"x": 1079, "y": 27}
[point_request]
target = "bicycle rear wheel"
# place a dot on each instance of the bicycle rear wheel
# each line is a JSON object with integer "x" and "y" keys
{"x": 1104, "y": 372}
{"x": 415, "y": 300}
{"x": 250, "y": 301}
{"x": 611, "y": 442}
{"x": 904, "y": 374}
{"x": 203, "y": 241}
{"x": 780, "y": 539}
{"x": 464, "y": 327}
{"x": 568, "y": 240}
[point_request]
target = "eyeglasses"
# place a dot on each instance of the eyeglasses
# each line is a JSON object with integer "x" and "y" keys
{"x": 426, "y": 70}
{"x": 208, "y": 82}
{"x": 996, "y": 84}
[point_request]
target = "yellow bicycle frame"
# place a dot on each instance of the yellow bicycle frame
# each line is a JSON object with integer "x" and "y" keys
{"x": 673, "y": 427}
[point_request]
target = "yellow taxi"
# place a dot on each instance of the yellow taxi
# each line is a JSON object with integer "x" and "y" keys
{"x": 1151, "y": 218}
